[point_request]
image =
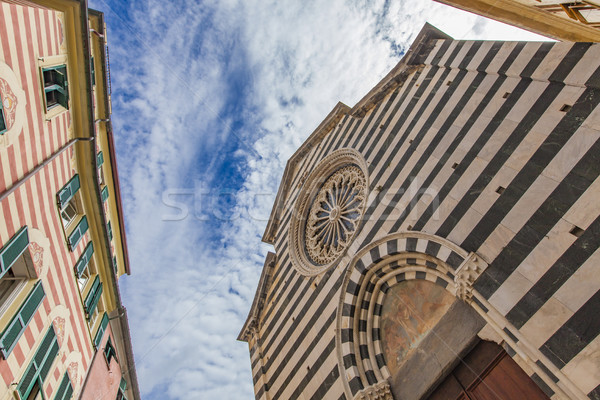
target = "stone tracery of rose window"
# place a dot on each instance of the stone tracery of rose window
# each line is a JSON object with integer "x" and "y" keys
{"x": 335, "y": 214}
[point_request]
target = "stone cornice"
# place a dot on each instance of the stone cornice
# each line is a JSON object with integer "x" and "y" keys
{"x": 260, "y": 296}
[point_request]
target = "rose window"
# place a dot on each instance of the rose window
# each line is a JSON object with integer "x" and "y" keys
{"x": 334, "y": 215}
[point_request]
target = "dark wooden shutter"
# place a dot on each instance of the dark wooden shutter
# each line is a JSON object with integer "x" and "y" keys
{"x": 19, "y": 323}
{"x": 65, "y": 194}
{"x": 78, "y": 233}
{"x": 12, "y": 250}
{"x": 101, "y": 330}
{"x": 84, "y": 259}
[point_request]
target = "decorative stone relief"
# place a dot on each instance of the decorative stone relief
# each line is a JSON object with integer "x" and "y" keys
{"x": 37, "y": 255}
{"x": 328, "y": 211}
{"x": 335, "y": 214}
{"x": 14, "y": 103}
{"x": 59, "y": 328}
{"x": 466, "y": 275}
{"x": 378, "y": 391}
{"x": 9, "y": 103}
{"x": 73, "y": 369}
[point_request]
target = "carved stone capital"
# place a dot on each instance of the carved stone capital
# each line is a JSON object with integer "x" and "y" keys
{"x": 378, "y": 391}
{"x": 466, "y": 275}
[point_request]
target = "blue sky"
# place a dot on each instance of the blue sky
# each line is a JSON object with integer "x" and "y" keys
{"x": 210, "y": 99}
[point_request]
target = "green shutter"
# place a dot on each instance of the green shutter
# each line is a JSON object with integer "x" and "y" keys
{"x": 93, "y": 72}
{"x": 12, "y": 250}
{"x": 40, "y": 365}
{"x": 65, "y": 390}
{"x": 57, "y": 84}
{"x": 65, "y": 194}
{"x": 105, "y": 193}
{"x": 63, "y": 98}
{"x": 100, "y": 159}
{"x": 109, "y": 351}
{"x": 84, "y": 259}
{"x": 123, "y": 384}
{"x": 18, "y": 324}
{"x": 115, "y": 264}
{"x": 93, "y": 296}
{"x": 101, "y": 330}
{"x": 109, "y": 227}
{"x": 78, "y": 233}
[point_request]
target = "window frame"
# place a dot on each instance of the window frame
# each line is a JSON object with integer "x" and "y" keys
{"x": 48, "y": 63}
{"x": 40, "y": 363}
{"x": 23, "y": 296}
{"x": 72, "y": 204}
{"x": 54, "y": 87}
{"x": 109, "y": 352}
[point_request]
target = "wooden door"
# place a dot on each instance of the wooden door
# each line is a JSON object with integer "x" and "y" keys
{"x": 488, "y": 373}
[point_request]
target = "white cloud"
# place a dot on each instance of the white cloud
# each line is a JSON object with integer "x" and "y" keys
{"x": 229, "y": 88}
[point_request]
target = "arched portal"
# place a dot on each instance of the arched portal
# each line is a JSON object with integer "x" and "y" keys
{"x": 408, "y": 313}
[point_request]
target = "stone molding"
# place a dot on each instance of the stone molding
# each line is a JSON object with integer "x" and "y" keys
{"x": 376, "y": 266}
{"x": 466, "y": 275}
{"x": 379, "y": 391}
{"x": 337, "y": 160}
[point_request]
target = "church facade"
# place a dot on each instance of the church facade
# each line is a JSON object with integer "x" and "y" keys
{"x": 439, "y": 240}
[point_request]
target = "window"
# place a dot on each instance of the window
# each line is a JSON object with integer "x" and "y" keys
{"x": 36, "y": 392}
{"x": 56, "y": 86}
{"x": 101, "y": 330}
{"x": 83, "y": 278}
{"x": 94, "y": 316}
{"x": 109, "y": 352}
{"x": 92, "y": 299}
{"x": 2, "y": 118}
{"x": 93, "y": 71}
{"x": 104, "y": 193}
{"x": 121, "y": 395}
{"x": 83, "y": 269}
{"x": 13, "y": 280}
{"x": 16, "y": 271}
{"x": 77, "y": 233}
{"x": 68, "y": 204}
{"x": 10, "y": 336}
{"x": 110, "y": 233}
{"x": 99, "y": 162}
{"x": 32, "y": 381}
{"x": 69, "y": 213}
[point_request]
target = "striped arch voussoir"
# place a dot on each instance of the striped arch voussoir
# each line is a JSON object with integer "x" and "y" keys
{"x": 377, "y": 267}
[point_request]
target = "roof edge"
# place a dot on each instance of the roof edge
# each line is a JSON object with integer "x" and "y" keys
{"x": 259, "y": 298}
{"x": 414, "y": 58}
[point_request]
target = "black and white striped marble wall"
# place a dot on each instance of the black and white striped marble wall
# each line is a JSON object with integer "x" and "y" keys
{"x": 490, "y": 146}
